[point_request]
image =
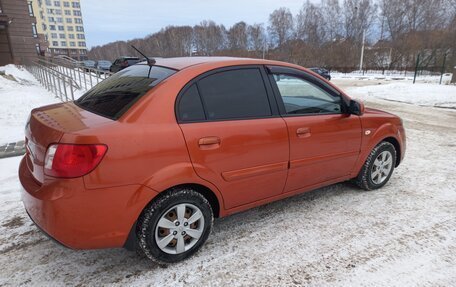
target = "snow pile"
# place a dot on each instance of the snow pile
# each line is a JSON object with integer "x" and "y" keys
{"x": 419, "y": 94}
{"x": 20, "y": 92}
{"x": 408, "y": 76}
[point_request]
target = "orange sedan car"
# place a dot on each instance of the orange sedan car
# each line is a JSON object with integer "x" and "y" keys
{"x": 147, "y": 158}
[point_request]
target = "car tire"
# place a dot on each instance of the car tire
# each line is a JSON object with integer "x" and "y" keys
{"x": 166, "y": 229}
{"x": 378, "y": 168}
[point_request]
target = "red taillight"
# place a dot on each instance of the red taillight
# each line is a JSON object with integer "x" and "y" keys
{"x": 69, "y": 160}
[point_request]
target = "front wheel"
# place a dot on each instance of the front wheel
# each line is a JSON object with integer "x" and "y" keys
{"x": 174, "y": 226}
{"x": 378, "y": 167}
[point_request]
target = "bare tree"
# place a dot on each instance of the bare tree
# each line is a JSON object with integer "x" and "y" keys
{"x": 280, "y": 26}
{"x": 209, "y": 37}
{"x": 309, "y": 24}
{"x": 358, "y": 17}
{"x": 256, "y": 37}
{"x": 330, "y": 11}
{"x": 237, "y": 36}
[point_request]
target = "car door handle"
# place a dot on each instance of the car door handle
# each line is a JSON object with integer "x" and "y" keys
{"x": 303, "y": 132}
{"x": 209, "y": 142}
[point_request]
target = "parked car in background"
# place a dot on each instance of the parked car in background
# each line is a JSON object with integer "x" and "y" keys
{"x": 104, "y": 65}
{"x": 322, "y": 72}
{"x": 148, "y": 157}
{"x": 122, "y": 63}
{"x": 89, "y": 64}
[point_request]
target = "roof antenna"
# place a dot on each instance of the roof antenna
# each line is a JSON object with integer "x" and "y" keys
{"x": 150, "y": 61}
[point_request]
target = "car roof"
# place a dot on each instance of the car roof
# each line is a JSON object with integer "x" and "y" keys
{"x": 180, "y": 63}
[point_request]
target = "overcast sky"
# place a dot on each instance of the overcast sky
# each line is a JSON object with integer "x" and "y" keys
{"x": 110, "y": 20}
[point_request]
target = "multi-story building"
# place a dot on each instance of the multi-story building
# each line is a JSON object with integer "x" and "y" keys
{"x": 19, "y": 39}
{"x": 60, "y": 21}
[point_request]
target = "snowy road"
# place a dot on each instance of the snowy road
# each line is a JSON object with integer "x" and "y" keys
{"x": 401, "y": 235}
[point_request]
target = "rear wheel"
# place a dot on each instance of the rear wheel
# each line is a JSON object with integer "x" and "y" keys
{"x": 378, "y": 167}
{"x": 175, "y": 226}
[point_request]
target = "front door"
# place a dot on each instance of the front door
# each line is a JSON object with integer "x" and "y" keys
{"x": 235, "y": 137}
{"x": 324, "y": 140}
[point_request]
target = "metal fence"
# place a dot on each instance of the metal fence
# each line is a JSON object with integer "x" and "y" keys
{"x": 63, "y": 86}
{"x": 65, "y": 78}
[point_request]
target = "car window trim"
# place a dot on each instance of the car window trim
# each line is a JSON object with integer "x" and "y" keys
{"x": 269, "y": 92}
{"x": 272, "y": 70}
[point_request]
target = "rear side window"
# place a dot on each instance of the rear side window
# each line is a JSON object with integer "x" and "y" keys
{"x": 115, "y": 95}
{"x": 234, "y": 94}
{"x": 190, "y": 107}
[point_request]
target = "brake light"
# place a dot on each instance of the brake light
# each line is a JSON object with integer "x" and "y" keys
{"x": 70, "y": 160}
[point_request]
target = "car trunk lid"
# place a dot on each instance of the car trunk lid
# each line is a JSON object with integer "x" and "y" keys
{"x": 47, "y": 125}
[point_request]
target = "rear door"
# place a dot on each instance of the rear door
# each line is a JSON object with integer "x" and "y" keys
{"x": 325, "y": 141}
{"x": 235, "y": 137}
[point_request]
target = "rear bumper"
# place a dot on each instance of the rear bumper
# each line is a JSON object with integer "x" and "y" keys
{"x": 81, "y": 218}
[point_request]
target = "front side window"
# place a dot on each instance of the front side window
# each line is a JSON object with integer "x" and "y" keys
{"x": 234, "y": 94}
{"x": 115, "y": 95}
{"x": 303, "y": 97}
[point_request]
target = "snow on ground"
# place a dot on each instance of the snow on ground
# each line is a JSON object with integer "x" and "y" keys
{"x": 20, "y": 92}
{"x": 401, "y": 235}
{"x": 401, "y": 91}
{"x": 394, "y": 76}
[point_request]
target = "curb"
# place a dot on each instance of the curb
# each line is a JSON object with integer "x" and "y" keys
{"x": 12, "y": 149}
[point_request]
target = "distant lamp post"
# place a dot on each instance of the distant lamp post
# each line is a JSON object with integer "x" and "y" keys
{"x": 362, "y": 52}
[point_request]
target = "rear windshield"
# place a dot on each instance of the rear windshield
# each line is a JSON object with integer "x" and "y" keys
{"x": 132, "y": 61}
{"x": 115, "y": 95}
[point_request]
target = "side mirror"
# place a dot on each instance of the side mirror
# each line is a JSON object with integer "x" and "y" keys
{"x": 356, "y": 108}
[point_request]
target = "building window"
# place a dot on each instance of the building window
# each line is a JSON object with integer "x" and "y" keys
{"x": 44, "y": 27}
{"x": 30, "y": 7}
{"x": 35, "y": 33}
{"x": 58, "y": 11}
{"x": 81, "y": 44}
{"x": 59, "y": 20}
{"x": 38, "y": 49}
{"x": 62, "y": 36}
{"x": 79, "y": 28}
{"x": 69, "y": 20}
{"x": 66, "y": 4}
{"x": 57, "y": 3}
{"x": 61, "y": 28}
{"x": 78, "y": 20}
{"x": 55, "y": 43}
{"x": 51, "y": 19}
{"x": 76, "y": 5}
{"x": 77, "y": 13}
{"x": 63, "y": 44}
{"x": 52, "y": 27}
{"x": 68, "y": 12}
{"x": 54, "y": 35}
{"x": 72, "y": 44}
{"x": 81, "y": 36}
{"x": 70, "y": 28}
{"x": 71, "y": 36}
{"x": 48, "y": 3}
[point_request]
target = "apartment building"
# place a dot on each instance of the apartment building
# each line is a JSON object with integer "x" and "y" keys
{"x": 19, "y": 39}
{"x": 60, "y": 21}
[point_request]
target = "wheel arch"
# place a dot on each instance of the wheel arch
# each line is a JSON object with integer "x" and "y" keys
{"x": 397, "y": 146}
{"x": 132, "y": 243}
